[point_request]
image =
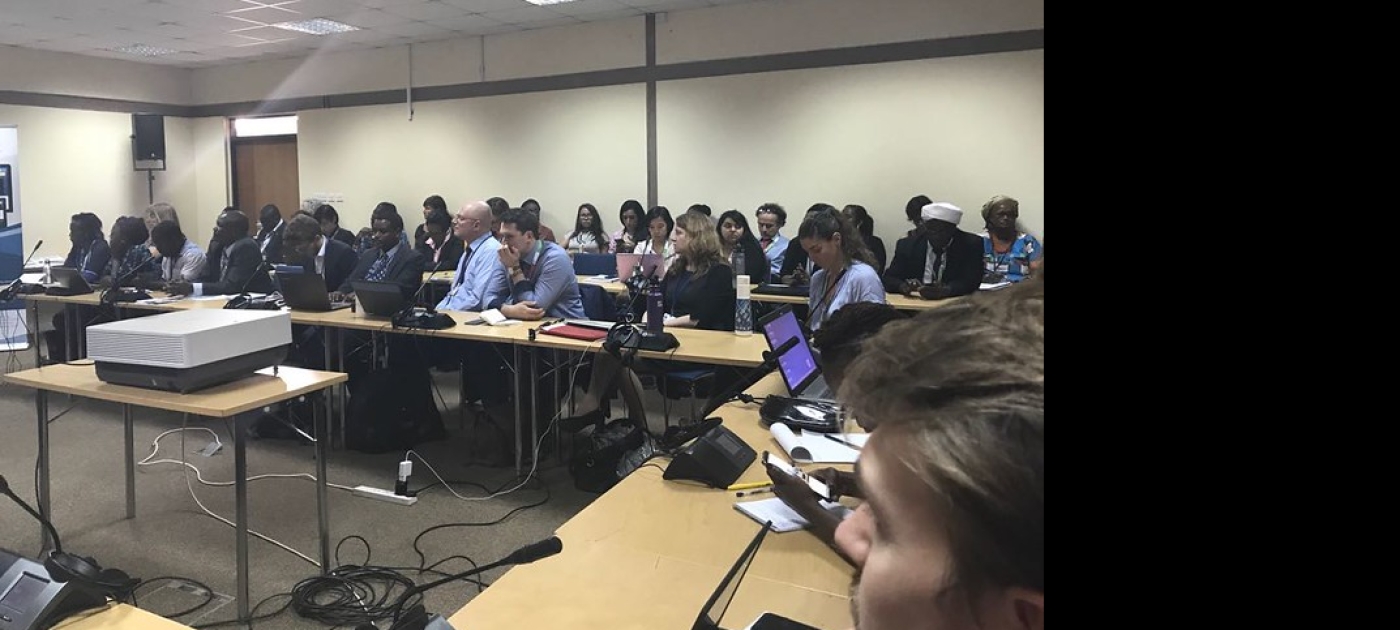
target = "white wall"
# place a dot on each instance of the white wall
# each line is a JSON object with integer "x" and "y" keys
{"x": 957, "y": 129}
{"x": 562, "y": 148}
{"x": 48, "y": 72}
{"x": 80, "y": 161}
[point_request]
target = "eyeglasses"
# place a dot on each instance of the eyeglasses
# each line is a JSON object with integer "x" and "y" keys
{"x": 767, "y": 225}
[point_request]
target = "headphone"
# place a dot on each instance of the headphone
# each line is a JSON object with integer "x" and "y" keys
{"x": 89, "y": 576}
{"x": 623, "y": 341}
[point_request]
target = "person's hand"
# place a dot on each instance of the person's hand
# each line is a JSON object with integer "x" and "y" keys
{"x": 628, "y": 243}
{"x": 793, "y": 491}
{"x": 336, "y": 296}
{"x": 155, "y": 253}
{"x": 933, "y": 292}
{"x": 526, "y": 310}
{"x": 842, "y": 484}
{"x": 799, "y": 276}
{"x": 150, "y": 284}
{"x": 179, "y": 287}
{"x": 509, "y": 257}
{"x": 909, "y": 288}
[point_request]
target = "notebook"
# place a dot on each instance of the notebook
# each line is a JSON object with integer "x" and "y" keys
{"x": 814, "y": 448}
{"x": 575, "y": 332}
{"x": 782, "y": 518}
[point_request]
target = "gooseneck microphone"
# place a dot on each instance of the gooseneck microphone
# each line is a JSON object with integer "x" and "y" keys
{"x": 8, "y": 293}
{"x": 770, "y": 361}
{"x": 416, "y": 618}
{"x": 53, "y": 533}
{"x": 116, "y": 286}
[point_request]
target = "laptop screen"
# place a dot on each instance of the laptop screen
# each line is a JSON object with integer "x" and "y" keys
{"x": 798, "y": 366}
{"x": 713, "y": 612}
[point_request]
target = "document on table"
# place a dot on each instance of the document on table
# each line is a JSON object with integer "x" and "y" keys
{"x": 809, "y": 447}
{"x": 784, "y": 519}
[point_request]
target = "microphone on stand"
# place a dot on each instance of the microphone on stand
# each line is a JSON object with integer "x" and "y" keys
{"x": 770, "y": 362}
{"x": 115, "y": 291}
{"x": 8, "y": 293}
{"x": 429, "y": 318}
{"x": 241, "y": 299}
{"x": 417, "y": 618}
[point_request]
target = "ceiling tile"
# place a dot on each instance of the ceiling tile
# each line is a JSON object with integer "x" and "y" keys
{"x": 585, "y": 7}
{"x": 469, "y": 24}
{"x": 413, "y": 29}
{"x": 486, "y": 6}
{"x": 369, "y": 18}
{"x": 427, "y": 11}
{"x": 522, "y": 15}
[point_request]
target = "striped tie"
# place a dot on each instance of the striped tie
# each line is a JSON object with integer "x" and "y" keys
{"x": 376, "y": 271}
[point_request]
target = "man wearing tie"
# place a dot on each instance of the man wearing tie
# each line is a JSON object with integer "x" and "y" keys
{"x": 304, "y": 244}
{"x": 771, "y": 218}
{"x": 390, "y": 260}
{"x": 479, "y": 268}
{"x": 540, "y": 277}
{"x": 270, "y": 235}
{"x": 240, "y": 262}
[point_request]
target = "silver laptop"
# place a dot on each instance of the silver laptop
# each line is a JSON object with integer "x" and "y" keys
{"x": 799, "y": 367}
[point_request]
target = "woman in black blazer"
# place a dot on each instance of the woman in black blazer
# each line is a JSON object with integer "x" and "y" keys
{"x": 866, "y": 226}
{"x": 734, "y": 232}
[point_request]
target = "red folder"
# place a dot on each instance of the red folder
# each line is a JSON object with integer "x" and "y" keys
{"x": 576, "y": 332}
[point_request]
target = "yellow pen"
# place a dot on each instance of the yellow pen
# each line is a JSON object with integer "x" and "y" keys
{"x": 750, "y": 486}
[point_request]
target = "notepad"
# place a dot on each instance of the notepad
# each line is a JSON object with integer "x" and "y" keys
{"x": 812, "y": 448}
{"x": 993, "y": 286}
{"x": 782, "y": 517}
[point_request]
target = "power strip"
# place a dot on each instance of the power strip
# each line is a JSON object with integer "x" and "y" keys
{"x": 370, "y": 492}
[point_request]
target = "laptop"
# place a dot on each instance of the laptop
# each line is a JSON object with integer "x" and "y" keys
{"x": 67, "y": 281}
{"x": 383, "y": 299}
{"x": 627, "y": 263}
{"x": 714, "y": 609}
{"x": 595, "y": 264}
{"x": 307, "y": 292}
{"x": 799, "y": 367}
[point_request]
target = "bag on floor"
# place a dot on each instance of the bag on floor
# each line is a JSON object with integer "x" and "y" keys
{"x": 392, "y": 410}
{"x": 602, "y": 458}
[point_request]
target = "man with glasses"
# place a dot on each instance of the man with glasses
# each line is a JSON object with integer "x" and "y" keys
{"x": 479, "y": 267}
{"x": 771, "y": 218}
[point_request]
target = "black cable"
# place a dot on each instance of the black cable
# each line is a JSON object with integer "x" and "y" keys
{"x": 423, "y": 560}
{"x": 208, "y": 592}
{"x": 368, "y": 552}
{"x": 651, "y": 465}
{"x": 349, "y": 595}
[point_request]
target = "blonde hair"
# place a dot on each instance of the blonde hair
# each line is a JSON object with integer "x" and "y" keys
{"x": 703, "y": 249}
{"x": 160, "y": 212}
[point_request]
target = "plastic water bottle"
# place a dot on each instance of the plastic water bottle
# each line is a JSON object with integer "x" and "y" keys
{"x": 655, "y": 308}
{"x": 48, "y": 274}
{"x": 736, "y": 262}
{"x": 743, "y": 315}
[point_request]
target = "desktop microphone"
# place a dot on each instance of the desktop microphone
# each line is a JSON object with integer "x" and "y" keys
{"x": 241, "y": 299}
{"x": 417, "y": 618}
{"x": 115, "y": 290}
{"x": 429, "y": 318}
{"x": 8, "y": 293}
{"x": 770, "y": 361}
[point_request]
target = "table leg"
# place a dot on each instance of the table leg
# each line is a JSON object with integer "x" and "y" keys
{"x": 322, "y": 414}
{"x": 240, "y": 482}
{"x": 519, "y": 411}
{"x": 31, "y": 308}
{"x": 128, "y": 423}
{"x": 344, "y": 387}
{"x": 41, "y": 409}
{"x": 70, "y": 322}
{"x": 534, "y": 404}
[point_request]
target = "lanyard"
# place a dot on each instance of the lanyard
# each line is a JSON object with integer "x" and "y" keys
{"x": 827, "y": 292}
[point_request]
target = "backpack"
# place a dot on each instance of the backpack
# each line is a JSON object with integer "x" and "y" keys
{"x": 391, "y": 410}
{"x": 602, "y": 458}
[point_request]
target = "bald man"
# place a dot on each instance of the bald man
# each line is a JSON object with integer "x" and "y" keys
{"x": 480, "y": 268}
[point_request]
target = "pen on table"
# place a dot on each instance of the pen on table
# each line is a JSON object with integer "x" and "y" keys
{"x": 750, "y": 485}
{"x": 840, "y": 441}
{"x": 749, "y": 493}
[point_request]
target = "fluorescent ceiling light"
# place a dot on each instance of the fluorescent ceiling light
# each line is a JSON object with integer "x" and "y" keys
{"x": 317, "y": 26}
{"x": 547, "y": 2}
{"x": 142, "y": 50}
{"x": 268, "y": 126}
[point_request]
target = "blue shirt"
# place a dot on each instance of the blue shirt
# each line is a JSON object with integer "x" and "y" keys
{"x": 774, "y": 253}
{"x": 90, "y": 261}
{"x": 550, "y": 283}
{"x": 858, "y": 283}
{"x": 478, "y": 270}
{"x": 1015, "y": 264}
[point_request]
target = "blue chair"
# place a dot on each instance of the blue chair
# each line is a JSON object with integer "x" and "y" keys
{"x": 693, "y": 383}
{"x": 595, "y": 264}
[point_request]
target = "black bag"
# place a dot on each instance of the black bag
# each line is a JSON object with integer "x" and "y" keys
{"x": 603, "y": 458}
{"x": 392, "y": 410}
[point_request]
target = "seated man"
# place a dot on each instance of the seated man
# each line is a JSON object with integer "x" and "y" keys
{"x": 479, "y": 268}
{"x": 390, "y": 259}
{"x": 130, "y": 255}
{"x": 180, "y": 258}
{"x": 439, "y": 249}
{"x": 241, "y": 266}
{"x": 939, "y": 261}
{"x": 540, "y": 278}
{"x": 270, "y": 227}
{"x": 952, "y": 532}
{"x": 330, "y": 224}
{"x": 304, "y": 244}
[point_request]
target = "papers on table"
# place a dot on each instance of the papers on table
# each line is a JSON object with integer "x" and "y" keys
{"x": 809, "y": 447}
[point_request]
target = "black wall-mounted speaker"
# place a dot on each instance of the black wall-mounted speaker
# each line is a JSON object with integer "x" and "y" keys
{"x": 149, "y": 131}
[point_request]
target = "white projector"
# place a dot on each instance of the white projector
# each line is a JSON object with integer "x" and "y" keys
{"x": 188, "y": 350}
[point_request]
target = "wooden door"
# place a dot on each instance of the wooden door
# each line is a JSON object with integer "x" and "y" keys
{"x": 265, "y": 171}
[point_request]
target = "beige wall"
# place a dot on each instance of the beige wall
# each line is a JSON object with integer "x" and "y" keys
{"x": 959, "y": 130}
{"x": 80, "y": 161}
{"x": 562, "y": 148}
{"x": 47, "y": 72}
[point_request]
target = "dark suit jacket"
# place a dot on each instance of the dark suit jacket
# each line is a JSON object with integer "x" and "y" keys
{"x": 964, "y": 273}
{"x": 343, "y": 235}
{"x": 243, "y": 273}
{"x": 877, "y": 247}
{"x": 340, "y": 263}
{"x": 213, "y": 254}
{"x": 451, "y": 253}
{"x": 405, "y": 270}
{"x": 273, "y": 252}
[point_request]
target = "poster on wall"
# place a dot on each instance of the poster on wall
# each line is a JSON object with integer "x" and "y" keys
{"x": 13, "y": 328}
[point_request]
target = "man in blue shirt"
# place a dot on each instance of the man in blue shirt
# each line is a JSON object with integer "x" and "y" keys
{"x": 771, "y": 218}
{"x": 540, "y": 276}
{"x": 479, "y": 269}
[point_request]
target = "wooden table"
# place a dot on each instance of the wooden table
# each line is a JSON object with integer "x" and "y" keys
{"x": 119, "y": 617}
{"x": 229, "y": 400}
{"x": 648, "y": 554}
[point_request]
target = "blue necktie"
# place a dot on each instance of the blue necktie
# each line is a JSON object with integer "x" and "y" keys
{"x": 376, "y": 271}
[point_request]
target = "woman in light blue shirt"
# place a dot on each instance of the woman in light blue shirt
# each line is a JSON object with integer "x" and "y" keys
{"x": 847, "y": 273}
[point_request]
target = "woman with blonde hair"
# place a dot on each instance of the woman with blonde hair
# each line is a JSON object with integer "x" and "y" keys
{"x": 158, "y": 212}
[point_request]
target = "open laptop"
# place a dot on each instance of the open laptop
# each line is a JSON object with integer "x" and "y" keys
{"x": 595, "y": 264}
{"x": 627, "y": 264}
{"x": 67, "y": 281}
{"x": 307, "y": 292}
{"x": 799, "y": 367}
{"x": 713, "y": 611}
{"x": 382, "y": 299}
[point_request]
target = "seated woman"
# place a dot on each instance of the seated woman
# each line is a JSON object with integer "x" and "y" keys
{"x": 734, "y": 233}
{"x": 625, "y": 239}
{"x": 1007, "y": 253}
{"x": 439, "y": 249}
{"x": 699, "y": 293}
{"x": 846, "y": 274}
{"x": 130, "y": 253}
{"x": 90, "y": 255}
{"x": 659, "y": 226}
{"x": 588, "y": 236}
{"x": 865, "y": 225}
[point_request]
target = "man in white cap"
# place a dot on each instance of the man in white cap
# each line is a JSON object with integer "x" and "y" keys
{"x": 939, "y": 261}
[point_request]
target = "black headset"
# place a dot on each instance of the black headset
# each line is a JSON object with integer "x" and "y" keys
{"x": 623, "y": 341}
{"x": 88, "y": 575}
